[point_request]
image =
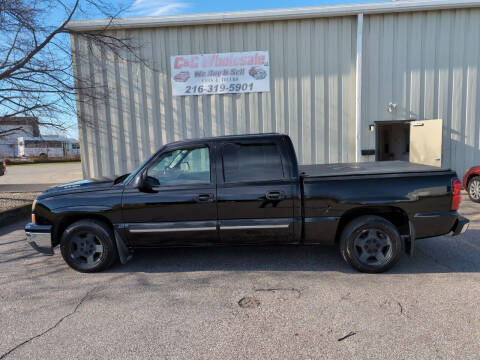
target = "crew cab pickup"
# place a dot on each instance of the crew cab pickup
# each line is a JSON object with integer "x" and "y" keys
{"x": 248, "y": 190}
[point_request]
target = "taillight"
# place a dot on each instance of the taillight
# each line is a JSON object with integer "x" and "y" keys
{"x": 4, "y": 164}
{"x": 457, "y": 193}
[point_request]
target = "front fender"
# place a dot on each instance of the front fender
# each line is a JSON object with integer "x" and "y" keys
{"x": 61, "y": 218}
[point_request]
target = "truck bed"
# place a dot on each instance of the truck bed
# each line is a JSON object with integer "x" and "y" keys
{"x": 366, "y": 168}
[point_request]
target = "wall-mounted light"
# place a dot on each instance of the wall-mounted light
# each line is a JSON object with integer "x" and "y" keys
{"x": 391, "y": 107}
{"x": 371, "y": 128}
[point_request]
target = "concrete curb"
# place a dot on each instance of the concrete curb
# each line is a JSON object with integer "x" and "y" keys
{"x": 21, "y": 188}
{"x": 30, "y": 161}
{"x": 9, "y": 216}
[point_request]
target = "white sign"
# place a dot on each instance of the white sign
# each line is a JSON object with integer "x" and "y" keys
{"x": 227, "y": 73}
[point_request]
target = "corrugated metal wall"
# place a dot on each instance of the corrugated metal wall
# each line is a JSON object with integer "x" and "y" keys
{"x": 312, "y": 95}
{"x": 427, "y": 63}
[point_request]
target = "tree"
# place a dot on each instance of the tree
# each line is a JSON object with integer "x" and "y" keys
{"x": 36, "y": 77}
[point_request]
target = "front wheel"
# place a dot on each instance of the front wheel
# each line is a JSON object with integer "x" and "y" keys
{"x": 88, "y": 246}
{"x": 371, "y": 244}
{"x": 474, "y": 189}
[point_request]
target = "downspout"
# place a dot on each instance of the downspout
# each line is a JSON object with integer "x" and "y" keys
{"x": 358, "y": 90}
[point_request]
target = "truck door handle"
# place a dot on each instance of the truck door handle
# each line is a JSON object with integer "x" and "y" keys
{"x": 275, "y": 195}
{"x": 204, "y": 198}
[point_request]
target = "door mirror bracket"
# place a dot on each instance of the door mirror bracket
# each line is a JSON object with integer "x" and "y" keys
{"x": 147, "y": 183}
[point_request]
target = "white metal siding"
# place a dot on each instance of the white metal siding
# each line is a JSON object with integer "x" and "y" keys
{"x": 427, "y": 63}
{"x": 272, "y": 14}
{"x": 312, "y": 96}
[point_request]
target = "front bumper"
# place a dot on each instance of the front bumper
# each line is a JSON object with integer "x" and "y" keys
{"x": 40, "y": 238}
{"x": 460, "y": 226}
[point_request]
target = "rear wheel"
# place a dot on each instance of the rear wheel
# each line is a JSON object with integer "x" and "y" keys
{"x": 88, "y": 246}
{"x": 371, "y": 244}
{"x": 474, "y": 189}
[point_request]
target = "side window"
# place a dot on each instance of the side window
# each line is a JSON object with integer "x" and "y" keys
{"x": 182, "y": 167}
{"x": 251, "y": 162}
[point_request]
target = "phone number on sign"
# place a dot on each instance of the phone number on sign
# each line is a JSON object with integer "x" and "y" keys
{"x": 206, "y": 89}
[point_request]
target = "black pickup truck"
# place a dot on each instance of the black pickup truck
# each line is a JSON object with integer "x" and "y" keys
{"x": 247, "y": 190}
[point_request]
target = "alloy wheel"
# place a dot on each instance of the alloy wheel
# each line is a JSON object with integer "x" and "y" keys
{"x": 474, "y": 189}
{"x": 86, "y": 248}
{"x": 373, "y": 247}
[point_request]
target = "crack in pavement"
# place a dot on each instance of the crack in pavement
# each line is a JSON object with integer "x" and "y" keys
{"x": 402, "y": 311}
{"x": 350, "y": 334}
{"x": 401, "y": 307}
{"x": 82, "y": 300}
{"x": 299, "y": 292}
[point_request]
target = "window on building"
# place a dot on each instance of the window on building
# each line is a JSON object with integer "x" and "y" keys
{"x": 31, "y": 144}
{"x": 251, "y": 162}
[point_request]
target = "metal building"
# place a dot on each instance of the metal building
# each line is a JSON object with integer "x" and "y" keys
{"x": 347, "y": 83}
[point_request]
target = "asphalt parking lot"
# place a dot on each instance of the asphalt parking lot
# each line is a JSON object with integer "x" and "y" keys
{"x": 298, "y": 303}
{"x": 38, "y": 177}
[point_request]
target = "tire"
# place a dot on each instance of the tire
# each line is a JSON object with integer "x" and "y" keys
{"x": 43, "y": 156}
{"x": 473, "y": 188}
{"x": 88, "y": 246}
{"x": 371, "y": 244}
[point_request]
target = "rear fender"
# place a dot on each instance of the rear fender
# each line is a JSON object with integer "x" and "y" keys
{"x": 395, "y": 215}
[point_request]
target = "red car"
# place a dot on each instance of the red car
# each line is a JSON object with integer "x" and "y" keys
{"x": 471, "y": 183}
{"x": 182, "y": 76}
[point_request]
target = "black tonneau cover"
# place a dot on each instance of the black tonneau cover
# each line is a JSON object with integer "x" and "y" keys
{"x": 366, "y": 168}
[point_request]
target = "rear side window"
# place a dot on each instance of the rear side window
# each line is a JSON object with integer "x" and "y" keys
{"x": 251, "y": 162}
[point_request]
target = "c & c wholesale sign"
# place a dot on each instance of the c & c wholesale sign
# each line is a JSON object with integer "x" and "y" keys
{"x": 238, "y": 72}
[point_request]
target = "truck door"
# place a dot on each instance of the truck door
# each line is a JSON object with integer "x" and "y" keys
{"x": 255, "y": 194}
{"x": 182, "y": 208}
{"x": 426, "y": 142}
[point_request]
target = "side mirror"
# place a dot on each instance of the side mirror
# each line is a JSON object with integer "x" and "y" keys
{"x": 139, "y": 179}
{"x": 149, "y": 184}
